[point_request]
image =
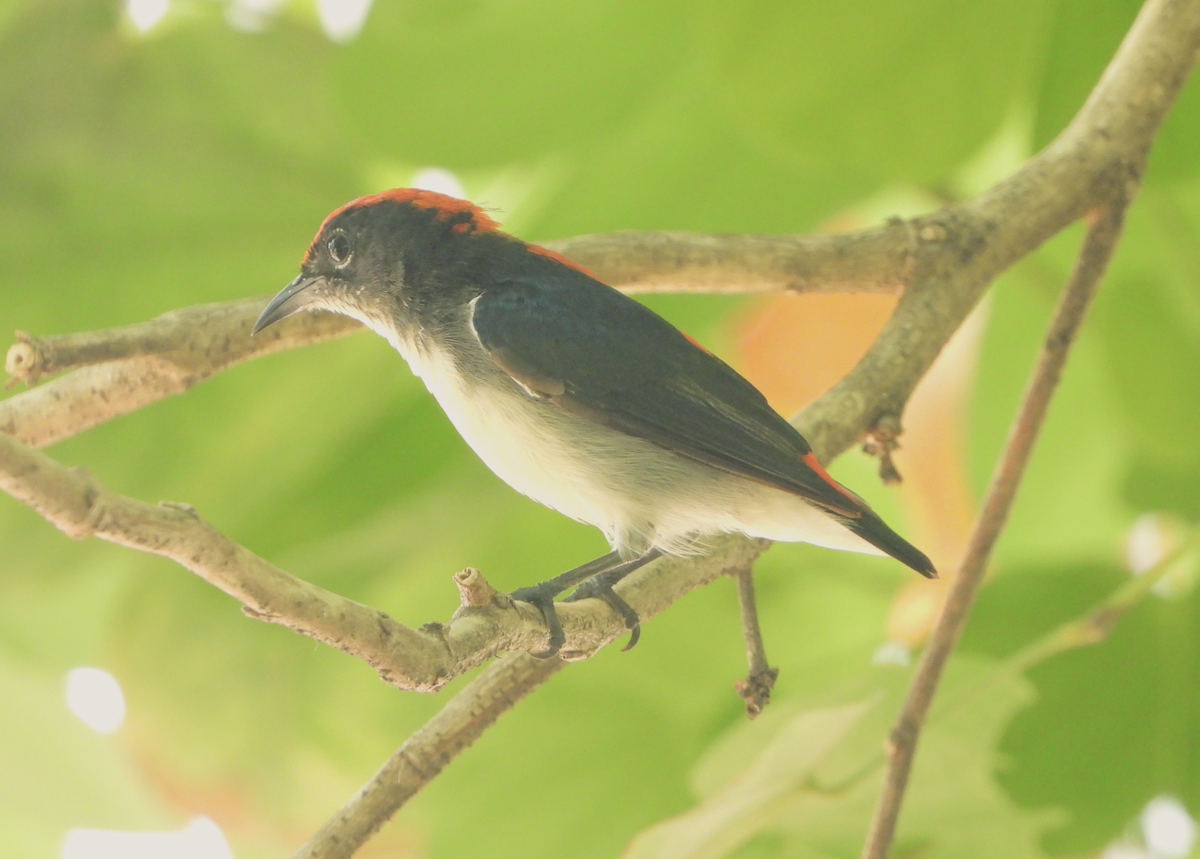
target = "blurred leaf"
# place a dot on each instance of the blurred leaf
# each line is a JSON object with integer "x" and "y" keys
{"x": 728, "y": 817}
{"x": 483, "y": 83}
{"x": 1152, "y": 486}
{"x": 1113, "y": 725}
{"x": 810, "y": 776}
{"x": 1154, "y": 362}
{"x": 682, "y": 163}
{"x": 879, "y": 102}
{"x": 1084, "y": 36}
{"x": 1029, "y": 602}
{"x": 161, "y": 135}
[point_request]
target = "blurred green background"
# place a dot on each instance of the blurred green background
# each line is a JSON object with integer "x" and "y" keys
{"x": 171, "y": 153}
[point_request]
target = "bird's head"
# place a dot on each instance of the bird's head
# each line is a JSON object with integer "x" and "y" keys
{"x": 385, "y": 260}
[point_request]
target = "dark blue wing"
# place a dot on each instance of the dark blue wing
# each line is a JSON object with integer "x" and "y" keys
{"x": 574, "y": 341}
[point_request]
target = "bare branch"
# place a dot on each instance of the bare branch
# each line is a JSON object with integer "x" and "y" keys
{"x": 209, "y": 336}
{"x": 426, "y": 753}
{"x": 877, "y": 259}
{"x": 1098, "y": 245}
{"x": 962, "y": 247}
{"x": 871, "y": 260}
{"x": 138, "y": 364}
{"x": 755, "y": 690}
{"x": 123, "y": 369}
{"x": 421, "y": 660}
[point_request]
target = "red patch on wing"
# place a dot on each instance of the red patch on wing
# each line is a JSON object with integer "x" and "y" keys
{"x": 479, "y": 220}
{"x": 694, "y": 342}
{"x": 810, "y": 459}
{"x": 557, "y": 257}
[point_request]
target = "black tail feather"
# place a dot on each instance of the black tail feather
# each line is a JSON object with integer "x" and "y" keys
{"x": 876, "y": 532}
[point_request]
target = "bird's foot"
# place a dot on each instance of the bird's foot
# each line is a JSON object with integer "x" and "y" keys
{"x": 543, "y": 593}
{"x": 598, "y": 578}
{"x": 601, "y": 587}
{"x": 542, "y": 596}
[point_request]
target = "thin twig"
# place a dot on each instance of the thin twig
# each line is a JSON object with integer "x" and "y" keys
{"x": 1098, "y": 245}
{"x": 427, "y": 752}
{"x": 755, "y": 690}
{"x": 123, "y": 369}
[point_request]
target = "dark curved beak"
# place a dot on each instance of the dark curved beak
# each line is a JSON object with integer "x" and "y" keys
{"x": 295, "y": 296}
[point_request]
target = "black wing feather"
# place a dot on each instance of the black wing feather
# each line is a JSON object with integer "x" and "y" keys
{"x": 599, "y": 354}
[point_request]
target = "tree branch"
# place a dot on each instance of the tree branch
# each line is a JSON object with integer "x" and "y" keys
{"x": 1098, "y": 246}
{"x": 420, "y": 660}
{"x": 760, "y": 678}
{"x": 138, "y": 364}
{"x": 962, "y": 247}
{"x": 947, "y": 258}
{"x": 426, "y": 753}
{"x": 123, "y": 369}
{"x": 1151, "y": 65}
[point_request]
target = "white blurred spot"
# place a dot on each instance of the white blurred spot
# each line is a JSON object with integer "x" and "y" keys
{"x": 251, "y": 16}
{"x": 342, "y": 19}
{"x": 1149, "y": 540}
{"x": 200, "y": 839}
{"x": 1124, "y": 850}
{"x": 1152, "y": 541}
{"x": 145, "y": 13}
{"x": 95, "y": 697}
{"x": 892, "y": 653}
{"x": 1168, "y": 829}
{"x": 440, "y": 180}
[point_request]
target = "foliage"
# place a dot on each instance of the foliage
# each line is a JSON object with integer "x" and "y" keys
{"x": 192, "y": 163}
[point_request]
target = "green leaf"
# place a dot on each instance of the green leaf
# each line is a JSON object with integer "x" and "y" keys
{"x": 1084, "y": 37}
{"x": 1113, "y": 724}
{"x": 1154, "y": 361}
{"x": 866, "y": 86}
{"x": 476, "y": 83}
{"x": 766, "y": 787}
{"x": 802, "y": 781}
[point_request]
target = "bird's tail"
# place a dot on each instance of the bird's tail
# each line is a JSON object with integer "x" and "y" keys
{"x": 876, "y": 532}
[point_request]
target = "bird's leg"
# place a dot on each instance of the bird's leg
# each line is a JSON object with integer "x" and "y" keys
{"x": 543, "y": 593}
{"x": 601, "y": 585}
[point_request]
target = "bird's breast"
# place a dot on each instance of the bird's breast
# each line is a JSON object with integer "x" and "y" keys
{"x": 530, "y": 445}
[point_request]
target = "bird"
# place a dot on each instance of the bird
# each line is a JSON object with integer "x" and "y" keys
{"x": 575, "y": 394}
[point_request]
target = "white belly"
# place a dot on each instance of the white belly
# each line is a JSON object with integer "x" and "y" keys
{"x": 638, "y": 493}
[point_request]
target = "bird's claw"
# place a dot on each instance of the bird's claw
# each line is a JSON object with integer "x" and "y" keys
{"x": 597, "y": 578}
{"x": 543, "y": 600}
{"x": 599, "y": 587}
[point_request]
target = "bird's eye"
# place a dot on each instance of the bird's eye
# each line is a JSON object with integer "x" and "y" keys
{"x": 339, "y": 248}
